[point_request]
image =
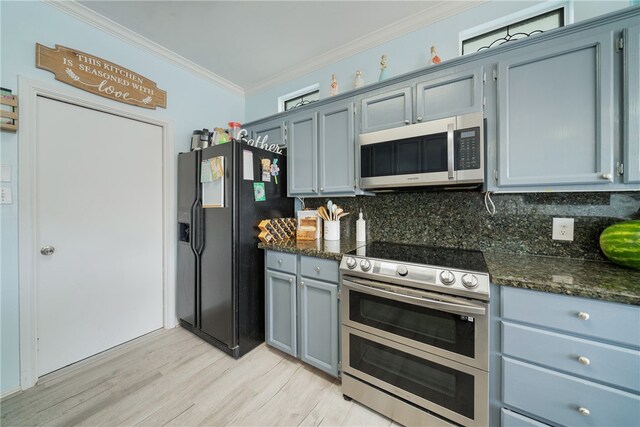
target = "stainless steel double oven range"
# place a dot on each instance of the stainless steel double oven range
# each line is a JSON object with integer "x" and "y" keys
{"x": 415, "y": 333}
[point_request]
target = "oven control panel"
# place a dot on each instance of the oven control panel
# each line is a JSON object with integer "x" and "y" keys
{"x": 419, "y": 276}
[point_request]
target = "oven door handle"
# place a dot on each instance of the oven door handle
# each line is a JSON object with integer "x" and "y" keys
{"x": 458, "y": 308}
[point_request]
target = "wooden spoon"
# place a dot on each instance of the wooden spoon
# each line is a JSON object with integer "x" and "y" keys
{"x": 322, "y": 211}
{"x": 343, "y": 214}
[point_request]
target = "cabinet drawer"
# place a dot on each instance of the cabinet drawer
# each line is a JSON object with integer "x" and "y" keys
{"x": 513, "y": 419}
{"x": 318, "y": 268}
{"x": 564, "y": 399}
{"x": 590, "y": 359}
{"x": 281, "y": 261}
{"x": 607, "y": 321}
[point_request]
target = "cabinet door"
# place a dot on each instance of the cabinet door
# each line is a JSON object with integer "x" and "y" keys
{"x": 336, "y": 145}
{"x": 302, "y": 159}
{"x": 319, "y": 324}
{"x": 555, "y": 114}
{"x": 281, "y": 311}
{"x": 274, "y": 132}
{"x": 632, "y": 106}
{"x": 449, "y": 95}
{"x": 386, "y": 110}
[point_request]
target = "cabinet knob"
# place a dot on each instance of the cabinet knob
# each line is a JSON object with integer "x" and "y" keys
{"x": 407, "y": 122}
{"x": 419, "y": 119}
{"x": 279, "y": 261}
{"x": 606, "y": 176}
{"x": 583, "y": 315}
{"x": 585, "y": 361}
{"x": 301, "y": 283}
{"x": 584, "y": 411}
{"x": 318, "y": 269}
{"x": 290, "y": 280}
{"x": 321, "y": 189}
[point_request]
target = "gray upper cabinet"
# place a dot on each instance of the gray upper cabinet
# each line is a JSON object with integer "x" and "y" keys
{"x": 631, "y": 94}
{"x": 449, "y": 94}
{"x": 386, "y": 110}
{"x": 274, "y": 132}
{"x": 556, "y": 114}
{"x": 336, "y": 146}
{"x": 302, "y": 162}
{"x": 321, "y": 158}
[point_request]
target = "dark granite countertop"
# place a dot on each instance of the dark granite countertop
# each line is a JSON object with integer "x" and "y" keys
{"x": 317, "y": 248}
{"x": 584, "y": 278}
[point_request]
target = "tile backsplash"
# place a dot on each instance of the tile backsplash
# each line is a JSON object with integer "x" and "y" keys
{"x": 522, "y": 222}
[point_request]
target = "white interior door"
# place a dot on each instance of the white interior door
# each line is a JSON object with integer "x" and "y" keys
{"x": 99, "y": 205}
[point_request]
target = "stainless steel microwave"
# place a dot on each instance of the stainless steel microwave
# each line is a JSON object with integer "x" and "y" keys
{"x": 444, "y": 152}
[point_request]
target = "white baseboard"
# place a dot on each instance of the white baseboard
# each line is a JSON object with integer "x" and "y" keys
{"x": 9, "y": 393}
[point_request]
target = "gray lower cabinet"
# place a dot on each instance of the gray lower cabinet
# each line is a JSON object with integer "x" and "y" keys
{"x": 567, "y": 360}
{"x": 301, "y": 313}
{"x": 281, "y": 314}
{"x": 555, "y": 114}
{"x": 321, "y": 158}
{"x": 319, "y": 324}
{"x": 631, "y": 98}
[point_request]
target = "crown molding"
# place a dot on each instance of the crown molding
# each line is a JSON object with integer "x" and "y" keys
{"x": 434, "y": 13}
{"x": 96, "y": 20}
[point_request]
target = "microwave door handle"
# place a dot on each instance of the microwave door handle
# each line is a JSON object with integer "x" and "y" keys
{"x": 450, "y": 158}
{"x": 424, "y": 302}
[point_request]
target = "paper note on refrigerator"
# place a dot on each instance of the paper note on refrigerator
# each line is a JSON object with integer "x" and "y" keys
{"x": 213, "y": 191}
{"x": 247, "y": 165}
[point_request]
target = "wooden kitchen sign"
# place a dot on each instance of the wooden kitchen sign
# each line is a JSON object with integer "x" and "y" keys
{"x": 101, "y": 77}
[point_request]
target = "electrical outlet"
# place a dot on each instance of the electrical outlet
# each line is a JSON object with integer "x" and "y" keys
{"x": 5, "y": 195}
{"x": 562, "y": 229}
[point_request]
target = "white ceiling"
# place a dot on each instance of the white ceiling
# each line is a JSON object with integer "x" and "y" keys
{"x": 257, "y": 44}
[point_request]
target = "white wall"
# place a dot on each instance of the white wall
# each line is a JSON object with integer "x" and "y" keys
{"x": 192, "y": 103}
{"x": 410, "y": 52}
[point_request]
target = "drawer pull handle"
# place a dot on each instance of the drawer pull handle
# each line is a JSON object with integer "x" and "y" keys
{"x": 584, "y": 411}
{"x": 279, "y": 261}
{"x": 584, "y": 316}
{"x": 584, "y": 360}
{"x": 318, "y": 269}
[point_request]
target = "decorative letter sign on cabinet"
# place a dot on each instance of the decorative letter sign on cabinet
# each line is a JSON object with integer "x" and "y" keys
{"x": 302, "y": 309}
{"x": 568, "y": 360}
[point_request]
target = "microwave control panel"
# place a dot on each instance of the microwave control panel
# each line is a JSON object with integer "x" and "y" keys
{"x": 467, "y": 148}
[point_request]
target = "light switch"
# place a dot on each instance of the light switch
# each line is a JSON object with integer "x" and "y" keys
{"x": 5, "y": 195}
{"x": 5, "y": 173}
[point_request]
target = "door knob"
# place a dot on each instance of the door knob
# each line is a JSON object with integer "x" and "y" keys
{"x": 47, "y": 250}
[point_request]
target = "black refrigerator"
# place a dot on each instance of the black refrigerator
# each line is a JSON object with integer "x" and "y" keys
{"x": 220, "y": 270}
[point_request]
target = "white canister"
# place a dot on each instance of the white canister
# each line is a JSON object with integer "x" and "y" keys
{"x": 332, "y": 230}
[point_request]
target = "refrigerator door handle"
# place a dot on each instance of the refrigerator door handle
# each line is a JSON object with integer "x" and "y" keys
{"x": 198, "y": 221}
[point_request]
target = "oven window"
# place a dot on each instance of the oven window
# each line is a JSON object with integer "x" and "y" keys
{"x": 451, "y": 332}
{"x": 439, "y": 384}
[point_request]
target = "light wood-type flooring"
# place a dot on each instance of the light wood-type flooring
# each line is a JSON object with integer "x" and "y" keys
{"x": 171, "y": 377}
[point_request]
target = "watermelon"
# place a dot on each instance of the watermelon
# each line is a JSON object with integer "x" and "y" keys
{"x": 621, "y": 243}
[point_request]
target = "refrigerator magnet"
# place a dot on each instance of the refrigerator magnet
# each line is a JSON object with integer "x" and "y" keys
{"x": 258, "y": 192}
{"x": 266, "y": 169}
{"x": 275, "y": 170}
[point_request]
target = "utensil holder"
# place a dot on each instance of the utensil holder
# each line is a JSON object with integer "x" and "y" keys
{"x": 332, "y": 230}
